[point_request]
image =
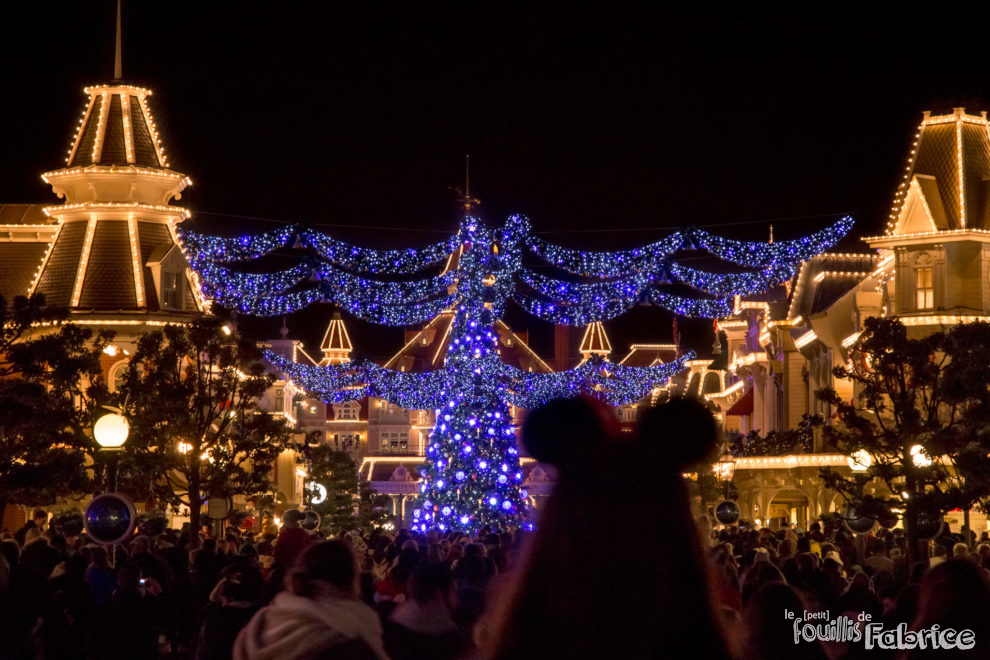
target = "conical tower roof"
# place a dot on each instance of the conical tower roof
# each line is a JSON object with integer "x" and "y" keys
{"x": 116, "y": 128}
{"x": 946, "y": 183}
{"x": 115, "y": 249}
{"x": 336, "y": 345}
{"x": 595, "y": 341}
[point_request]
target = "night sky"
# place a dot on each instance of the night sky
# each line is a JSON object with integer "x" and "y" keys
{"x": 607, "y": 126}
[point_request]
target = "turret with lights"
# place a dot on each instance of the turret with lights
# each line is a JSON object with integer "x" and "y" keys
{"x": 115, "y": 252}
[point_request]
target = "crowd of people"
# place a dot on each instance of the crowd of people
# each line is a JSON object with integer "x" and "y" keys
{"x": 617, "y": 568}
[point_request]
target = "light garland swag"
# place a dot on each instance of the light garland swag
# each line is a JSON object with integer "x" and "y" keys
{"x": 472, "y": 476}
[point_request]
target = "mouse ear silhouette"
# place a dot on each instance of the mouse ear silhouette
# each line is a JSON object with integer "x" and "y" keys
{"x": 682, "y": 431}
{"x": 562, "y": 429}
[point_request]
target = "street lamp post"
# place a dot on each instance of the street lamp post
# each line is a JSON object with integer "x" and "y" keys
{"x": 110, "y": 432}
{"x": 727, "y": 512}
{"x": 859, "y": 462}
{"x": 725, "y": 468}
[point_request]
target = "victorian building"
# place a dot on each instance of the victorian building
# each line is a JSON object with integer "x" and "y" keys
{"x": 931, "y": 269}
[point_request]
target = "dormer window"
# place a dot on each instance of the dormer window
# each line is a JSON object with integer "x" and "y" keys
{"x": 345, "y": 411}
{"x": 924, "y": 289}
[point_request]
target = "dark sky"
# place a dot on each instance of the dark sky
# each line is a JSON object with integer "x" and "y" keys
{"x": 606, "y": 124}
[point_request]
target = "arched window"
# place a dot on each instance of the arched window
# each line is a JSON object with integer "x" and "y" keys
{"x": 711, "y": 383}
{"x": 118, "y": 373}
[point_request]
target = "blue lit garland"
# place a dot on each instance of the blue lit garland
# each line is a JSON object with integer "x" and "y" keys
{"x": 614, "y": 384}
{"x": 605, "y": 264}
{"x": 570, "y": 303}
{"x": 692, "y": 307}
{"x": 388, "y": 313}
{"x": 389, "y": 293}
{"x": 766, "y": 255}
{"x": 274, "y": 306}
{"x": 204, "y": 247}
{"x": 218, "y": 280}
{"x": 392, "y": 262}
{"x": 472, "y": 475}
{"x": 734, "y": 284}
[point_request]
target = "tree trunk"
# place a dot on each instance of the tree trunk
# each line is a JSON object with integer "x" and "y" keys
{"x": 911, "y": 530}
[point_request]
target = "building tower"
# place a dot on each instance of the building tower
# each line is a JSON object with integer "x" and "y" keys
{"x": 595, "y": 342}
{"x": 114, "y": 259}
{"x": 935, "y": 254}
{"x": 336, "y": 345}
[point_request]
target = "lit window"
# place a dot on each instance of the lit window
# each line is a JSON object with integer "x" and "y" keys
{"x": 923, "y": 288}
{"x": 117, "y": 376}
{"x": 171, "y": 289}
{"x": 279, "y": 399}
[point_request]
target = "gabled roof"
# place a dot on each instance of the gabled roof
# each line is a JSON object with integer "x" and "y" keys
{"x": 823, "y": 279}
{"x": 116, "y": 128}
{"x": 946, "y": 184}
{"x": 647, "y": 355}
{"x": 426, "y": 350}
{"x": 159, "y": 252}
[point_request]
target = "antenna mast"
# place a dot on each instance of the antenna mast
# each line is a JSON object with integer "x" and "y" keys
{"x": 117, "y": 64}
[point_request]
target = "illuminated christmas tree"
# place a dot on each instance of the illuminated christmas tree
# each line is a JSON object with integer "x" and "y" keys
{"x": 472, "y": 475}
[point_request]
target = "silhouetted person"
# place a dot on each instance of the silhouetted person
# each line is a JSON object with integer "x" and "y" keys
{"x": 768, "y": 634}
{"x": 599, "y": 580}
{"x": 319, "y": 615}
{"x": 422, "y": 626}
{"x": 955, "y": 594}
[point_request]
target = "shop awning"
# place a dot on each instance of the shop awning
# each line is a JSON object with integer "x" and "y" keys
{"x": 743, "y": 406}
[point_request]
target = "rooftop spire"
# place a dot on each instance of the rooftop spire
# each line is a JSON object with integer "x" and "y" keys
{"x": 118, "y": 68}
{"x": 468, "y": 200}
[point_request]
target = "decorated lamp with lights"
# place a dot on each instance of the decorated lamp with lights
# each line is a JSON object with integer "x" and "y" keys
{"x": 110, "y": 432}
{"x": 471, "y": 474}
{"x": 859, "y": 461}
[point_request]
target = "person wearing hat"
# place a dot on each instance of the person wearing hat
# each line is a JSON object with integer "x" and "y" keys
{"x": 292, "y": 540}
{"x": 580, "y": 591}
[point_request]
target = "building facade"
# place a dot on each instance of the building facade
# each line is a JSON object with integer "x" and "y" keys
{"x": 931, "y": 269}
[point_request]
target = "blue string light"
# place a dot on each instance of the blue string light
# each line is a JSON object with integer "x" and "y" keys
{"x": 767, "y": 255}
{"x": 734, "y": 284}
{"x": 205, "y": 247}
{"x": 390, "y": 313}
{"x": 224, "y": 283}
{"x": 692, "y": 307}
{"x": 393, "y": 262}
{"x": 615, "y": 384}
{"x": 606, "y": 264}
